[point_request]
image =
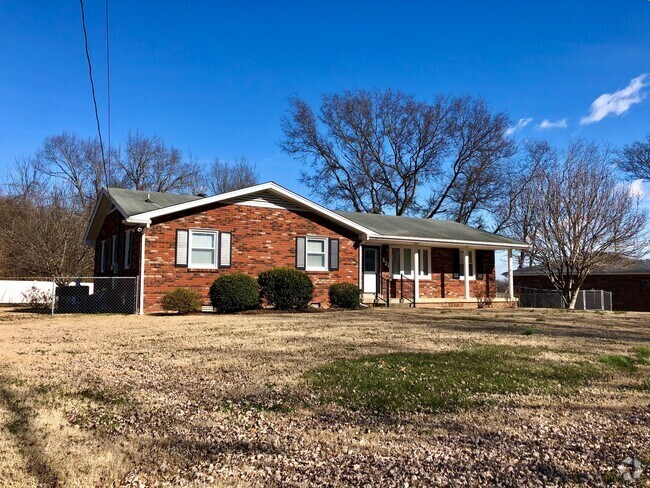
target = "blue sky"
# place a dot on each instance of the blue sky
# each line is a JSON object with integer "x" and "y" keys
{"x": 213, "y": 77}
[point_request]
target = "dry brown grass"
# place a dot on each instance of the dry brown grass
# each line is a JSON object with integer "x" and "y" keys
{"x": 113, "y": 400}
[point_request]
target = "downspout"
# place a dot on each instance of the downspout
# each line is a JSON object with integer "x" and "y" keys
{"x": 142, "y": 243}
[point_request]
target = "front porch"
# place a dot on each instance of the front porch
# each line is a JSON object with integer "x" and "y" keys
{"x": 425, "y": 274}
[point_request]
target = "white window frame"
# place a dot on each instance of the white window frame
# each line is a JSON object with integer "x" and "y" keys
{"x": 472, "y": 260}
{"x": 325, "y": 253}
{"x": 215, "y": 264}
{"x": 411, "y": 275}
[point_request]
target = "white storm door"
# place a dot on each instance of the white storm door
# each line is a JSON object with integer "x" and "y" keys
{"x": 370, "y": 268}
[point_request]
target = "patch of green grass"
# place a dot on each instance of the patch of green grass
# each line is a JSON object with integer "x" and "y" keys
{"x": 642, "y": 354}
{"x": 529, "y": 331}
{"x": 618, "y": 361}
{"x": 428, "y": 382}
{"x": 627, "y": 363}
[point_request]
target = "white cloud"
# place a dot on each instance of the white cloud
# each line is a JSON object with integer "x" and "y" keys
{"x": 558, "y": 124}
{"x": 637, "y": 189}
{"x": 618, "y": 102}
{"x": 521, "y": 123}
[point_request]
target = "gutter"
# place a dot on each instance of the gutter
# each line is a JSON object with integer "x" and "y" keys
{"x": 487, "y": 245}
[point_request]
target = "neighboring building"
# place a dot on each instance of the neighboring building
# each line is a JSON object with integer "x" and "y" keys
{"x": 627, "y": 279}
{"x": 174, "y": 241}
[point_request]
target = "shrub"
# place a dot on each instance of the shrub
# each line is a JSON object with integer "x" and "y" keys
{"x": 345, "y": 295}
{"x": 37, "y": 299}
{"x": 286, "y": 288}
{"x": 234, "y": 293}
{"x": 182, "y": 301}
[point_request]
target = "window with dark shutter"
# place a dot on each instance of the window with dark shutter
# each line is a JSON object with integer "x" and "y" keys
{"x": 182, "y": 238}
{"x": 479, "y": 264}
{"x": 456, "y": 263}
{"x": 300, "y": 252}
{"x": 334, "y": 254}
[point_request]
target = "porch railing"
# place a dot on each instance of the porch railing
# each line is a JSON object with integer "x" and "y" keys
{"x": 407, "y": 289}
{"x": 383, "y": 291}
{"x": 389, "y": 287}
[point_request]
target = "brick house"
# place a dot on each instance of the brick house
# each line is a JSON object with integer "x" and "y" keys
{"x": 627, "y": 279}
{"x": 171, "y": 241}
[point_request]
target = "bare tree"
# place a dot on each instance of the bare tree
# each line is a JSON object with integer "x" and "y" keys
{"x": 471, "y": 176}
{"x": 74, "y": 162}
{"x": 147, "y": 163}
{"x": 43, "y": 239}
{"x": 381, "y": 151}
{"x": 514, "y": 212}
{"x": 223, "y": 177}
{"x": 583, "y": 217}
{"x": 370, "y": 151}
{"x": 635, "y": 159}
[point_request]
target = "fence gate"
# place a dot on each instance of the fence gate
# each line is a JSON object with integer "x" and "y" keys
{"x": 586, "y": 300}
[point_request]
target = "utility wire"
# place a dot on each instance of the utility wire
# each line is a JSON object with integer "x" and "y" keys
{"x": 108, "y": 83}
{"x": 92, "y": 87}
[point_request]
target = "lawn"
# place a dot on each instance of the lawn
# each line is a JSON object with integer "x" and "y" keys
{"x": 378, "y": 397}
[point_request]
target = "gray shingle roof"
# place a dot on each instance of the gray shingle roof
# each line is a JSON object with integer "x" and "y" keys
{"x": 400, "y": 226}
{"x": 133, "y": 202}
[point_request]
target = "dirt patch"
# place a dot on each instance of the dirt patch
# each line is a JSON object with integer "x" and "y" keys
{"x": 218, "y": 399}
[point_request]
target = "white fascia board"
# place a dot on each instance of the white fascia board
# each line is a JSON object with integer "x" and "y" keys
{"x": 452, "y": 242}
{"x": 102, "y": 194}
{"x": 269, "y": 186}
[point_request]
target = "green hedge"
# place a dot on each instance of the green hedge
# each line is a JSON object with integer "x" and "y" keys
{"x": 286, "y": 288}
{"x": 345, "y": 295}
{"x": 182, "y": 300}
{"x": 234, "y": 293}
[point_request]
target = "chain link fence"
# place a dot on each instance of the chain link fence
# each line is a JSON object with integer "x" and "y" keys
{"x": 78, "y": 294}
{"x": 586, "y": 300}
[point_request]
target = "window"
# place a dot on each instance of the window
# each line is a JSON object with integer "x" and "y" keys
{"x": 396, "y": 261}
{"x": 407, "y": 268}
{"x": 403, "y": 262}
{"x": 102, "y": 256}
{"x": 461, "y": 264}
{"x": 127, "y": 249}
{"x": 425, "y": 263}
{"x": 316, "y": 254}
{"x": 114, "y": 253}
{"x": 203, "y": 249}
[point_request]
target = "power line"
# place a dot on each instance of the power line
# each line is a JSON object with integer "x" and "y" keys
{"x": 108, "y": 83}
{"x": 92, "y": 87}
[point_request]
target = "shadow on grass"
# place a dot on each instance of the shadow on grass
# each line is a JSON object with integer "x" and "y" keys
{"x": 27, "y": 438}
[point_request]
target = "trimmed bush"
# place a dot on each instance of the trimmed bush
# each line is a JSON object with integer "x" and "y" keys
{"x": 345, "y": 295}
{"x": 286, "y": 288}
{"x": 234, "y": 293}
{"x": 182, "y": 300}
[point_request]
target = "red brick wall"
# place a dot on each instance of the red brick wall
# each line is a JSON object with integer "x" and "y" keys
{"x": 262, "y": 238}
{"x": 442, "y": 283}
{"x": 629, "y": 292}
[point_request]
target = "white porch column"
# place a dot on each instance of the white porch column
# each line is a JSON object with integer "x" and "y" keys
{"x": 466, "y": 271}
{"x": 416, "y": 272}
{"x": 511, "y": 283}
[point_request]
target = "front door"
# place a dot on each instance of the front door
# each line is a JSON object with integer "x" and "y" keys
{"x": 370, "y": 269}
